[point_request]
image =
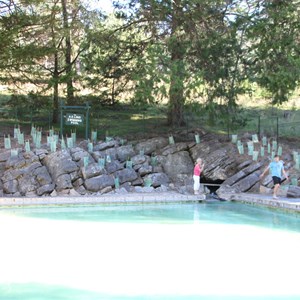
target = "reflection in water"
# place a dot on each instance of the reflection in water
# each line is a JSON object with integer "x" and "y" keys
{"x": 196, "y": 214}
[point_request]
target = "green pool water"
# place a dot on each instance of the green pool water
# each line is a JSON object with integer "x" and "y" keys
{"x": 218, "y": 250}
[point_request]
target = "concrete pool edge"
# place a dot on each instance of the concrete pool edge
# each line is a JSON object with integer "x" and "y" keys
{"x": 283, "y": 203}
{"x": 130, "y": 198}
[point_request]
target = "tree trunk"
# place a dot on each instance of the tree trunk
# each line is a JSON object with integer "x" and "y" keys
{"x": 177, "y": 49}
{"x": 55, "y": 116}
{"x": 68, "y": 56}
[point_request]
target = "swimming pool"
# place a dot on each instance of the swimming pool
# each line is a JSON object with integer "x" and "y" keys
{"x": 162, "y": 251}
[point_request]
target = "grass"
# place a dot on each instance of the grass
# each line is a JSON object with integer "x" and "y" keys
{"x": 128, "y": 121}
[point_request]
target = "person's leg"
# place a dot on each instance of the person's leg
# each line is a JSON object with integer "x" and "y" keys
{"x": 276, "y": 187}
{"x": 196, "y": 184}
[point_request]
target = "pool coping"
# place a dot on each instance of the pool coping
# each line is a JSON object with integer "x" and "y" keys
{"x": 130, "y": 198}
{"x": 283, "y": 203}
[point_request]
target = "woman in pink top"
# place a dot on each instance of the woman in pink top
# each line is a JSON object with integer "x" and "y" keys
{"x": 197, "y": 172}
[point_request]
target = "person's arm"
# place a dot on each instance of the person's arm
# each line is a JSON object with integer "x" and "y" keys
{"x": 284, "y": 173}
{"x": 202, "y": 166}
{"x": 265, "y": 171}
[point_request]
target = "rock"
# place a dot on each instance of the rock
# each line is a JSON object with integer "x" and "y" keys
{"x": 157, "y": 169}
{"x": 264, "y": 190}
{"x": 162, "y": 189}
{"x": 78, "y": 182}
{"x": 243, "y": 185}
{"x": 63, "y": 182}
{"x": 59, "y": 163}
{"x": 45, "y": 189}
{"x": 79, "y": 155}
{"x": 105, "y": 145}
{"x": 106, "y": 190}
{"x": 16, "y": 162}
{"x": 293, "y": 191}
{"x": 74, "y": 193}
{"x": 177, "y": 163}
{"x": 139, "y": 159}
{"x": 64, "y": 192}
{"x": 42, "y": 176}
{"x": 53, "y": 194}
{"x": 27, "y": 183}
{"x": 11, "y": 174}
{"x": 157, "y": 179}
{"x": 30, "y": 194}
{"x": 127, "y": 186}
{"x": 121, "y": 190}
{"x": 10, "y": 187}
{"x": 144, "y": 189}
{"x": 111, "y": 153}
{"x": 145, "y": 169}
{"x": 41, "y": 153}
{"x": 138, "y": 181}
{"x": 244, "y": 164}
{"x": 98, "y": 183}
{"x": 92, "y": 170}
{"x": 75, "y": 175}
{"x": 219, "y": 158}
{"x": 268, "y": 181}
{"x": 171, "y": 149}
{"x": 81, "y": 190}
{"x": 151, "y": 145}
{"x": 113, "y": 166}
{"x": 126, "y": 175}
{"x": 4, "y": 156}
{"x": 125, "y": 152}
{"x": 243, "y": 173}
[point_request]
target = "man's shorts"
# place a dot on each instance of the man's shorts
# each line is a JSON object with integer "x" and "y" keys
{"x": 276, "y": 180}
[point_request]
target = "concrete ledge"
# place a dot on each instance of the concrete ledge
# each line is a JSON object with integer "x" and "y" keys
{"x": 290, "y": 204}
{"x": 129, "y": 198}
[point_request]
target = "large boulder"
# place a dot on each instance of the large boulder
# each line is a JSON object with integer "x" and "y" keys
{"x": 101, "y": 146}
{"x": 151, "y": 145}
{"x": 92, "y": 170}
{"x": 114, "y": 166}
{"x": 59, "y": 163}
{"x": 126, "y": 175}
{"x": 42, "y": 176}
{"x": 173, "y": 148}
{"x": 45, "y": 189}
{"x": 24, "y": 174}
{"x": 242, "y": 181}
{"x": 139, "y": 159}
{"x": 63, "y": 182}
{"x": 79, "y": 154}
{"x": 219, "y": 158}
{"x": 98, "y": 183}
{"x": 293, "y": 191}
{"x": 10, "y": 187}
{"x": 177, "y": 163}
{"x": 157, "y": 179}
{"x": 125, "y": 152}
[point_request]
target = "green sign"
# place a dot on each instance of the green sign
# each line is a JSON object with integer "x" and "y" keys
{"x": 74, "y": 119}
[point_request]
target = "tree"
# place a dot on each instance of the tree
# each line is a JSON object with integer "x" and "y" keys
{"x": 183, "y": 30}
{"x": 274, "y": 56}
{"x": 40, "y": 48}
{"x": 109, "y": 59}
